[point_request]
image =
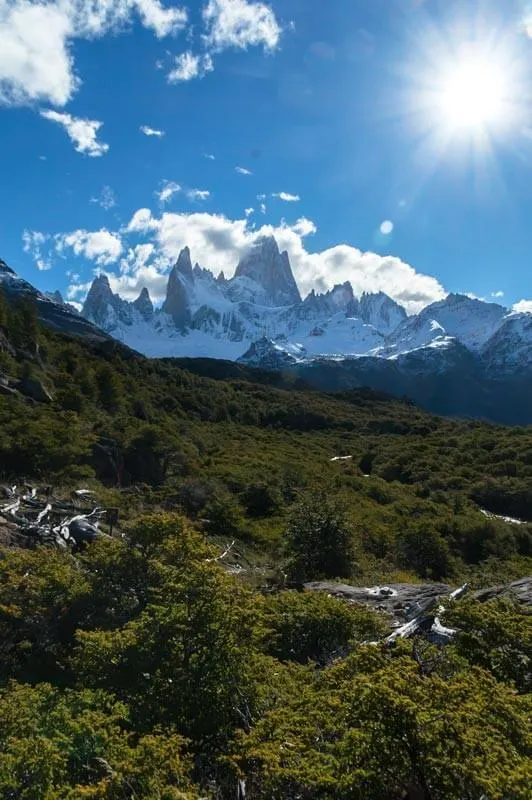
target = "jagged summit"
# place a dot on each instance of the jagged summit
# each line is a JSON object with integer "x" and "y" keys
{"x": 183, "y": 264}
{"x": 270, "y": 269}
{"x": 177, "y": 302}
{"x": 258, "y": 316}
{"x": 471, "y": 321}
{"x": 144, "y": 305}
{"x": 56, "y": 297}
{"x": 381, "y": 311}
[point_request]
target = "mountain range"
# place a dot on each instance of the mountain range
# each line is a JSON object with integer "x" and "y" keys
{"x": 459, "y": 356}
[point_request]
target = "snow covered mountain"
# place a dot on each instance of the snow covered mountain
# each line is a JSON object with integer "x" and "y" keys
{"x": 458, "y": 356}
{"x": 259, "y": 317}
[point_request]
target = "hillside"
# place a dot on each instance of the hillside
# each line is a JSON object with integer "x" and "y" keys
{"x": 166, "y": 662}
{"x": 188, "y": 440}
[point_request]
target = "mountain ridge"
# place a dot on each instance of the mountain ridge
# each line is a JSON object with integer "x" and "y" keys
{"x": 225, "y": 318}
{"x": 458, "y": 356}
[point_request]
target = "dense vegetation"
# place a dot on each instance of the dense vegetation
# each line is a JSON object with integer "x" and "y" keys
{"x": 140, "y": 668}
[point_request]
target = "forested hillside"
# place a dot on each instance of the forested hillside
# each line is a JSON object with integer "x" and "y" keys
{"x": 148, "y": 666}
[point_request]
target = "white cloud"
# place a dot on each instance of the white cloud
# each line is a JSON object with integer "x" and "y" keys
{"x": 240, "y": 24}
{"x": 497, "y": 295}
{"x": 106, "y": 198}
{"x": 263, "y": 208}
{"x": 147, "y": 131}
{"x": 386, "y": 227}
{"x": 218, "y": 242}
{"x": 101, "y": 246}
{"x": 169, "y": 189}
{"x": 82, "y": 132}
{"x": 261, "y": 197}
{"x": 249, "y": 211}
{"x": 198, "y": 194}
{"x": 136, "y": 258}
{"x": 78, "y": 289}
{"x": 210, "y": 156}
{"x": 286, "y": 197}
{"x": 243, "y": 171}
{"x": 33, "y": 242}
{"x": 304, "y": 227}
{"x": 188, "y": 66}
{"x": 141, "y": 220}
{"x": 36, "y": 60}
{"x": 162, "y": 21}
{"x": 523, "y": 306}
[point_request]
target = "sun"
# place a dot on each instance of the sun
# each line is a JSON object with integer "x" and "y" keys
{"x": 473, "y": 93}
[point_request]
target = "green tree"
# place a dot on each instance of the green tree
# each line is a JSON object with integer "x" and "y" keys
{"x": 317, "y": 542}
{"x": 303, "y": 626}
{"x": 185, "y": 658}
{"x": 373, "y": 728}
{"x": 422, "y": 549}
{"x": 77, "y": 745}
{"x": 497, "y": 636}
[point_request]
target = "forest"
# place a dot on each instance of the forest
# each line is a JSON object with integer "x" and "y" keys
{"x": 148, "y": 665}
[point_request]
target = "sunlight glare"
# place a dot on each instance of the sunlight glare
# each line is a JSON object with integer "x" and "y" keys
{"x": 473, "y": 94}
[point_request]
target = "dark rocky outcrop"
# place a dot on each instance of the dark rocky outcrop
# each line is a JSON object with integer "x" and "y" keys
{"x": 271, "y": 270}
{"x": 35, "y": 389}
{"x": 144, "y": 305}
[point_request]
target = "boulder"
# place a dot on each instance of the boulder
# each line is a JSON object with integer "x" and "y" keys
{"x": 34, "y": 388}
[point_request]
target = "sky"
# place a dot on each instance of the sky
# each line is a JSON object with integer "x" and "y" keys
{"x": 385, "y": 142}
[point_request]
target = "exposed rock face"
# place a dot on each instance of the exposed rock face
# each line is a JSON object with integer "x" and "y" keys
{"x": 144, "y": 305}
{"x": 184, "y": 264}
{"x": 271, "y": 270}
{"x": 268, "y": 355}
{"x": 34, "y": 388}
{"x": 101, "y": 305}
{"x": 510, "y": 348}
{"x": 177, "y": 303}
{"x": 381, "y": 311}
{"x": 56, "y": 297}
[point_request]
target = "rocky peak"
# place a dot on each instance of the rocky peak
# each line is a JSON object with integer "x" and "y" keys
{"x": 381, "y": 311}
{"x": 510, "y": 347}
{"x": 341, "y": 295}
{"x": 184, "y": 264}
{"x": 271, "y": 270}
{"x": 315, "y": 304}
{"x": 144, "y": 305}
{"x": 269, "y": 355}
{"x": 472, "y": 321}
{"x": 98, "y": 300}
{"x": 55, "y": 297}
{"x": 177, "y": 303}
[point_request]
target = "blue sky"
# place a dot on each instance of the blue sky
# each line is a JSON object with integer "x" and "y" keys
{"x": 387, "y": 142}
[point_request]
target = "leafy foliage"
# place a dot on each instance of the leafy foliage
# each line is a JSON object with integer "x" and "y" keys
{"x": 317, "y": 541}
{"x": 142, "y": 668}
